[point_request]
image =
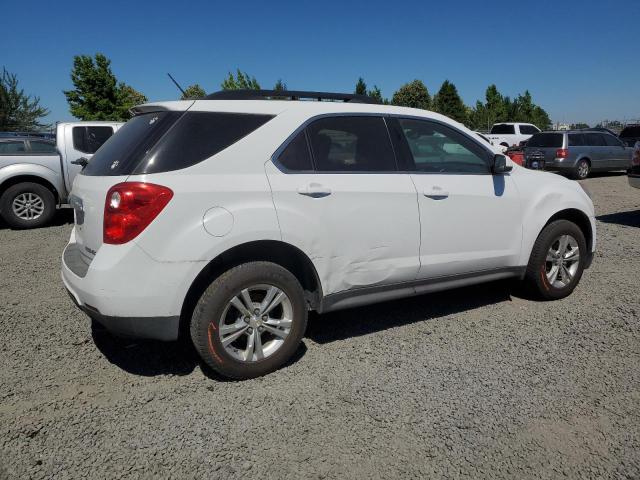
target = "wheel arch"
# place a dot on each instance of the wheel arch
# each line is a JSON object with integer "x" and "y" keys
{"x": 15, "y": 180}
{"x": 281, "y": 253}
{"x": 579, "y": 218}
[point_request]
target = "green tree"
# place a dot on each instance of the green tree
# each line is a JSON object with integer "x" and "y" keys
{"x": 376, "y": 94}
{"x": 97, "y": 94}
{"x": 361, "y": 87}
{"x": 241, "y": 81}
{"x": 280, "y": 86}
{"x": 192, "y": 92}
{"x": 448, "y": 102}
{"x": 18, "y": 111}
{"x": 578, "y": 126}
{"x": 413, "y": 94}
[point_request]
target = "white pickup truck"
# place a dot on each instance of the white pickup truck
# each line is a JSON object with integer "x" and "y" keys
{"x": 36, "y": 174}
{"x": 510, "y": 134}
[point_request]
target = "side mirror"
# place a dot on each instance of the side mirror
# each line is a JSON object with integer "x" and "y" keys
{"x": 500, "y": 164}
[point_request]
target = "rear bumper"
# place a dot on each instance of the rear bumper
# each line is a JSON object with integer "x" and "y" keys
{"x": 156, "y": 328}
{"x": 127, "y": 291}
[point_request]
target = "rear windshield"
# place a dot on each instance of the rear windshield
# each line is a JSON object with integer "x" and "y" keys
{"x": 546, "y": 140}
{"x": 164, "y": 141}
{"x": 503, "y": 129}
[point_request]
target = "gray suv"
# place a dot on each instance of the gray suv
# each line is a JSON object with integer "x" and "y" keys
{"x": 577, "y": 153}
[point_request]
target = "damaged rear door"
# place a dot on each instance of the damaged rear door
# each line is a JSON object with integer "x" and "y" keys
{"x": 341, "y": 199}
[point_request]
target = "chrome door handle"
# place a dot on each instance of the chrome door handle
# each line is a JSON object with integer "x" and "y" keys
{"x": 436, "y": 193}
{"x": 314, "y": 190}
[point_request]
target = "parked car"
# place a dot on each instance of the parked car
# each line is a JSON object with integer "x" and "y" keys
{"x": 229, "y": 218}
{"x": 630, "y": 135}
{"x": 494, "y": 147}
{"x": 511, "y": 134}
{"x": 577, "y": 153}
{"x": 36, "y": 174}
{"x": 634, "y": 171}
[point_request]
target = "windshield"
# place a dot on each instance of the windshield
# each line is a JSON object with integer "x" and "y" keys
{"x": 546, "y": 140}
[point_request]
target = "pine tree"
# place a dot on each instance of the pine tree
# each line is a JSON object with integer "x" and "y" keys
{"x": 18, "y": 111}
{"x": 448, "y": 102}
{"x": 361, "y": 87}
{"x": 97, "y": 94}
{"x": 241, "y": 81}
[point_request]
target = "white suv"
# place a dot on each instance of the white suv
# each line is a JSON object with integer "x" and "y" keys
{"x": 229, "y": 218}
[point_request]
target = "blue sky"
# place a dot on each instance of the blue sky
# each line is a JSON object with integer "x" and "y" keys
{"x": 579, "y": 59}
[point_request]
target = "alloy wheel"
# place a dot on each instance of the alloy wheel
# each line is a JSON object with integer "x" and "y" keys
{"x": 563, "y": 259}
{"x": 255, "y": 322}
{"x": 28, "y": 206}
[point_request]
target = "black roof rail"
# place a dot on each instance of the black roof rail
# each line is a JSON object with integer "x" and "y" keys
{"x": 289, "y": 95}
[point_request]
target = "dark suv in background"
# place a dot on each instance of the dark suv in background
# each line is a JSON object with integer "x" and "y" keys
{"x": 630, "y": 135}
{"x": 577, "y": 153}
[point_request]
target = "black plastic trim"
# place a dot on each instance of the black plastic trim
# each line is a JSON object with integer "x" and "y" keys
{"x": 153, "y": 328}
{"x": 381, "y": 293}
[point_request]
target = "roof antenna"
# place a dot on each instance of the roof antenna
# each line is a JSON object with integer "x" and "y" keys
{"x": 177, "y": 85}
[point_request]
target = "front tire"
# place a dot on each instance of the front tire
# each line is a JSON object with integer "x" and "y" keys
{"x": 250, "y": 320}
{"x": 27, "y": 205}
{"x": 557, "y": 261}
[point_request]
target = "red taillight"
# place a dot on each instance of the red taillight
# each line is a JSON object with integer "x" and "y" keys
{"x": 130, "y": 207}
{"x": 562, "y": 153}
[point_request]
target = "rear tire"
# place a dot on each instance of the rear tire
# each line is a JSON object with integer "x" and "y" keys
{"x": 555, "y": 267}
{"x": 581, "y": 170}
{"x": 27, "y": 205}
{"x": 237, "y": 304}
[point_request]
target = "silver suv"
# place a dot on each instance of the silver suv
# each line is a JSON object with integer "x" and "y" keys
{"x": 577, "y": 153}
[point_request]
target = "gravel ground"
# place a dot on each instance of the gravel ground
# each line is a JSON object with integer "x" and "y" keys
{"x": 471, "y": 383}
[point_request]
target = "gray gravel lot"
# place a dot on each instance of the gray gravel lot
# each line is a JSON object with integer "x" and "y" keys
{"x": 471, "y": 383}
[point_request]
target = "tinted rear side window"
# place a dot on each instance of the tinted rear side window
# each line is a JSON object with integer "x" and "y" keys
{"x": 528, "y": 129}
{"x": 90, "y": 139}
{"x": 594, "y": 140}
{"x": 124, "y": 150}
{"x": 296, "y": 156}
{"x": 611, "y": 140}
{"x": 351, "y": 144}
{"x": 198, "y": 136}
{"x": 576, "y": 139}
{"x": 546, "y": 140}
{"x": 503, "y": 129}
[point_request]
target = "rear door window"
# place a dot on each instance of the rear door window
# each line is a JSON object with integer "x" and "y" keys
{"x": 88, "y": 139}
{"x": 528, "y": 129}
{"x": 594, "y": 140}
{"x": 576, "y": 140}
{"x": 546, "y": 140}
{"x": 503, "y": 129}
{"x": 351, "y": 144}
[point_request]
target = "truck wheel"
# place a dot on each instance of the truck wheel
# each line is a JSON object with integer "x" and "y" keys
{"x": 581, "y": 170}
{"x": 27, "y": 205}
{"x": 557, "y": 261}
{"x": 250, "y": 320}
